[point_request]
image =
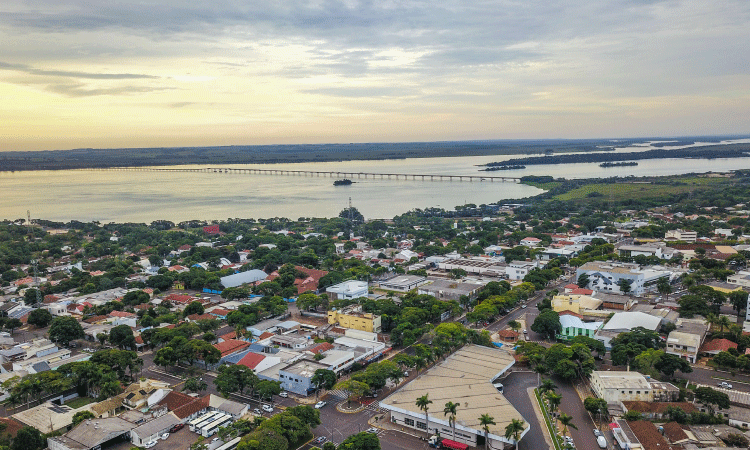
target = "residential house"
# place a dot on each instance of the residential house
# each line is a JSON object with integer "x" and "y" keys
{"x": 573, "y": 326}
{"x": 348, "y": 290}
{"x": 353, "y": 317}
{"x": 575, "y": 303}
{"x": 618, "y": 386}
{"x": 681, "y": 235}
{"x": 716, "y": 346}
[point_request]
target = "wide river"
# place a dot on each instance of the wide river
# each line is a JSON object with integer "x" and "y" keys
{"x": 130, "y": 196}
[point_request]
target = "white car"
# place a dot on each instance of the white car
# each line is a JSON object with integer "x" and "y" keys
{"x": 267, "y": 408}
{"x": 601, "y": 442}
{"x": 257, "y": 412}
{"x": 724, "y": 384}
{"x": 149, "y": 444}
{"x": 164, "y": 436}
{"x": 320, "y": 404}
{"x": 283, "y": 394}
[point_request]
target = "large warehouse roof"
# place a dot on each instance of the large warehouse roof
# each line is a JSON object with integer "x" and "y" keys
{"x": 466, "y": 378}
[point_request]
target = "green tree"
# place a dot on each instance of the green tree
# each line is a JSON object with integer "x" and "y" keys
{"x": 547, "y": 386}
{"x": 514, "y": 325}
{"x": 13, "y": 323}
{"x": 165, "y": 357}
{"x": 633, "y": 415}
{"x": 361, "y": 441}
{"x": 738, "y": 299}
{"x": 234, "y": 378}
{"x": 65, "y": 329}
{"x": 450, "y": 411}
{"x": 423, "y": 403}
{"x": 513, "y": 430}
{"x": 28, "y": 438}
{"x": 583, "y": 280}
{"x": 193, "y": 308}
{"x": 595, "y": 405}
{"x": 122, "y": 337}
{"x": 194, "y": 385}
{"x": 624, "y": 285}
{"x": 567, "y": 422}
{"x": 352, "y": 388}
{"x": 40, "y": 317}
{"x": 668, "y": 364}
{"x": 712, "y": 398}
{"x": 80, "y": 416}
{"x": 547, "y": 323}
{"x": 485, "y": 420}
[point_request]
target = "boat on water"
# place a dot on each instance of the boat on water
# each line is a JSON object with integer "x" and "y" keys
{"x": 343, "y": 182}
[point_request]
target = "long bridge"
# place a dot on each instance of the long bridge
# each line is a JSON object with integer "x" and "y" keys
{"x": 321, "y": 173}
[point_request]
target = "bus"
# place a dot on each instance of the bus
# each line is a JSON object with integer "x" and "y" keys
{"x": 194, "y": 424}
{"x": 211, "y": 428}
{"x": 231, "y": 445}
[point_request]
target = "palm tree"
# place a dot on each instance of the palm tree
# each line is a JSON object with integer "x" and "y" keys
{"x": 567, "y": 421}
{"x": 547, "y": 386}
{"x": 712, "y": 319}
{"x": 723, "y": 321}
{"x": 486, "y": 420}
{"x": 423, "y": 403}
{"x": 554, "y": 401}
{"x": 450, "y": 408}
{"x": 514, "y": 429}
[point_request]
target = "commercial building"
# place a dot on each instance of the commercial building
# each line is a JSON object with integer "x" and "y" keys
{"x": 491, "y": 267}
{"x": 93, "y": 434}
{"x": 685, "y": 341}
{"x": 297, "y": 377}
{"x": 626, "y": 321}
{"x": 354, "y": 318}
{"x": 248, "y": 277}
{"x": 402, "y": 283}
{"x": 573, "y": 326}
{"x": 575, "y": 303}
{"x": 681, "y": 235}
{"x": 519, "y": 269}
{"x": 348, "y": 290}
{"x": 607, "y": 276}
{"x": 617, "y": 386}
{"x": 451, "y": 289}
{"x": 152, "y": 430}
{"x": 741, "y": 278}
{"x": 465, "y": 378}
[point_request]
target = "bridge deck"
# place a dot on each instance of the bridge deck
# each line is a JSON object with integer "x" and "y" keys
{"x": 332, "y": 174}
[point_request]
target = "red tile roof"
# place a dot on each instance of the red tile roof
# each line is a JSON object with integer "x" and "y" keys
{"x": 571, "y": 286}
{"x": 265, "y": 335}
{"x": 175, "y": 400}
{"x": 230, "y": 335}
{"x": 581, "y": 291}
{"x": 219, "y": 312}
{"x": 649, "y": 436}
{"x": 94, "y": 319}
{"x": 659, "y": 407}
{"x": 718, "y": 345}
{"x": 320, "y": 348}
{"x": 231, "y": 346}
{"x": 251, "y": 360}
{"x": 179, "y": 298}
{"x": 192, "y": 408}
{"x": 674, "y": 432}
{"x": 309, "y": 283}
{"x": 507, "y": 334}
{"x": 121, "y": 314}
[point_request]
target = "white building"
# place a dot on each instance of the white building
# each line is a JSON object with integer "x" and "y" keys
{"x": 348, "y": 290}
{"x": 681, "y": 235}
{"x": 617, "y": 386}
{"x": 518, "y": 269}
{"x": 605, "y": 276}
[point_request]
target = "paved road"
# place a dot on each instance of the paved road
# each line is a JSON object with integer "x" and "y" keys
{"x": 573, "y": 406}
{"x": 515, "y": 388}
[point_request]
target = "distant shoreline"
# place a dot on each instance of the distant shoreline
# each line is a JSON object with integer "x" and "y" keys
{"x": 285, "y": 154}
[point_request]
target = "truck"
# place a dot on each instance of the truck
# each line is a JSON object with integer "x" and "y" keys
{"x": 436, "y": 442}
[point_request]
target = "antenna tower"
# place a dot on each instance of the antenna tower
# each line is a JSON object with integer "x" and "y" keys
{"x": 34, "y": 262}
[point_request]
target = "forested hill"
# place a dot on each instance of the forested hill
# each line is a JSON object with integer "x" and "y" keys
{"x": 708, "y": 152}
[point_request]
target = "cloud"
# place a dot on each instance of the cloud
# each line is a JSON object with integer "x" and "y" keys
{"x": 73, "y": 74}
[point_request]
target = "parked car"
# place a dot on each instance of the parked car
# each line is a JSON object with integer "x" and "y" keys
{"x": 597, "y": 433}
{"x": 283, "y": 394}
{"x": 320, "y": 440}
{"x": 164, "y": 436}
{"x": 601, "y": 441}
{"x": 724, "y": 384}
{"x": 177, "y": 427}
{"x": 524, "y": 331}
{"x": 373, "y": 430}
{"x": 257, "y": 412}
{"x": 320, "y": 404}
{"x": 149, "y": 444}
{"x": 267, "y": 408}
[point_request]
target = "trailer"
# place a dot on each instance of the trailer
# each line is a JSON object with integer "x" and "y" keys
{"x": 436, "y": 442}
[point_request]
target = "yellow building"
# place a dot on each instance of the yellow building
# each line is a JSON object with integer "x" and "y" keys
{"x": 725, "y": 288}
{"x": 355, "y": 319}
{"x": 574, "y": 303}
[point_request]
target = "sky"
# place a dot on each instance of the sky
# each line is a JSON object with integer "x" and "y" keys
{"x": 108, "y": 74}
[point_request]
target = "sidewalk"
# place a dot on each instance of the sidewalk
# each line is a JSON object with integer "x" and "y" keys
{"x": 540, "y": 418}
{"x": 383, "y": 421}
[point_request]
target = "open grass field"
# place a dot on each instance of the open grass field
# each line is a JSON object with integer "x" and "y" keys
{"x": 640, "y": 189}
